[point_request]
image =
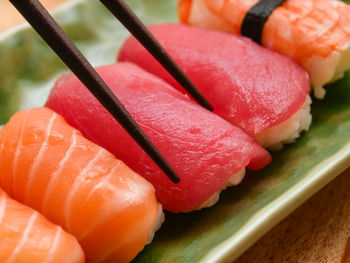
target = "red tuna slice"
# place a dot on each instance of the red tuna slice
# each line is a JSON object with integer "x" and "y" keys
{"x": 204, "y": 149}
{"x": 248, "y": 85}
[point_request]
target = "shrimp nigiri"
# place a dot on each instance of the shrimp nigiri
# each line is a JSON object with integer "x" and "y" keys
{"x": 27, "y": 236}
{"x": 206, "y": 151}
{"x": 252, "y": 87}
{"x": 49, "y": 166}
{"x": 314, "y": 33}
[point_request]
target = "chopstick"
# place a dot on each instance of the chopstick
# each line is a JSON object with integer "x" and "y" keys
{"x": 135, "y": 26}
{"x": 50, "y": 31}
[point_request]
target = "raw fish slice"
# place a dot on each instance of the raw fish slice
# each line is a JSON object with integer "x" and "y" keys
{"x": 248, "y": 85}
{"x": 51, "y": 167}
{"x": 27, "y": 236}
{"x": 314, "y": 33}
{"x": 204, "y": 149}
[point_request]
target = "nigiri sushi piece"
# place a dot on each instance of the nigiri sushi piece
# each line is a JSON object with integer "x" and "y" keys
{"x": 252, "y": 87}
{"x": 27, "y": 236}
{"x": 206, "y": 151}
{"x": 314, "y": 33}
{"x": 49, "y": 166}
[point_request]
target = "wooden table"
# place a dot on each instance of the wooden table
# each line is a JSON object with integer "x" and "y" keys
{"x": 316, "y": 232}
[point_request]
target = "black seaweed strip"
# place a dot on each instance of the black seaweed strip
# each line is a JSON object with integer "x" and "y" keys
{"x": 255, "y": 19}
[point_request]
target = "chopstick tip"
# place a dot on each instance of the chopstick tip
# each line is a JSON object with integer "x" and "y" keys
{"x": 208, "y": 106}
{"x": 172, "y": 175}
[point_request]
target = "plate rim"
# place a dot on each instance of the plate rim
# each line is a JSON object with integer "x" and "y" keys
{"x": 269, "y": 216}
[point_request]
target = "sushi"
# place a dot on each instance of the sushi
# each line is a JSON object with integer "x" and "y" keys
{"x": 314, "y": 33}
{"x": 51, "y": 167}
{"x": 207, "y": 152}
{"x": 252, "y": 87}
{"x": 27, "y": 236}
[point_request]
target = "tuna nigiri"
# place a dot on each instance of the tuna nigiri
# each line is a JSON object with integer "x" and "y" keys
{"x": 51, "y": 167}
{"x": 315, "y": 33}
{"x": 27, "y": 236}
{"x": 248, "y": 85}
{"x": 206, "y": 151}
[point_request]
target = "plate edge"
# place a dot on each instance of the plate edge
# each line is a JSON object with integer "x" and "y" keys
{"x": 265, "y": 219}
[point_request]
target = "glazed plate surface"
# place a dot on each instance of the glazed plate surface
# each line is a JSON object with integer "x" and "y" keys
{"x": 244, "y": 213}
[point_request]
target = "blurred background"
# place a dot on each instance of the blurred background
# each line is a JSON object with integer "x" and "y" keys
{"x": 10, "y": 17}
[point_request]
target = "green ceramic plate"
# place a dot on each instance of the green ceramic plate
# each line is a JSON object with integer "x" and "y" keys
{"x": 28, "y": 68}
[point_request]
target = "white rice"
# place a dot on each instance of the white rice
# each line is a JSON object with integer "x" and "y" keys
{"x": 157, "y": 224}
{"x": 287, "y": 131}
{"x": 235, "y": 179}
{"x": 323, "y": 70}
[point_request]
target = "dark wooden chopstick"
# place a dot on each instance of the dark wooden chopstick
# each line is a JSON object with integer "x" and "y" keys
{"x": 128, "y": 18}
{"x": 50, "y": 31}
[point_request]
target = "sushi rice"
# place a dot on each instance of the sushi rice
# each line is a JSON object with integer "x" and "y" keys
{"x": 287, "y": 131}
{"x": 157, "y": 224}
{"x": 235, "y": 179}
{"x": 325, "y": 70}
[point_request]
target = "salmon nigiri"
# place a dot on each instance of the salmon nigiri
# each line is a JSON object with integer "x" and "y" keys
{"x": 51, "y": 167}
{"x": 314, "y": 33}
{"x": 27, "y": 236}
{"x": 252, "y": 87}
{"x": 206, "y": 151}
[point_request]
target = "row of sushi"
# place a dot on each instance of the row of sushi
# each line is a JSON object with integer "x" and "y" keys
{"x": 314, "y": 33}
{"x": 95, "y": 206}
